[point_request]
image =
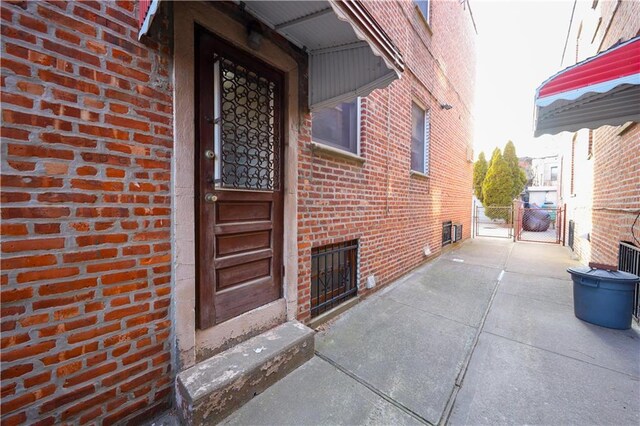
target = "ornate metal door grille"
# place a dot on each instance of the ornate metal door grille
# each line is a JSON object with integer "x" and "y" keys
{"x": 248, "y": 139}
{"x": 334, "y": 273}
{"x": 239, "y": 181}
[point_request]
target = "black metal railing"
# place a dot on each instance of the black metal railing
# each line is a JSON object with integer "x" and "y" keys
{"x": 572, "y": 231}
{"x": 334, "y": 275}
{"x": 629, "y": 261}
{"x": 446, "y": 233}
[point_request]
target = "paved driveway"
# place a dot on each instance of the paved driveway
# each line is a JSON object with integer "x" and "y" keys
{"x": 483, "y": 335}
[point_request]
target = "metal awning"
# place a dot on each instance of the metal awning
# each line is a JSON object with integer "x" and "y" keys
{"x": 147, "y": 10}
{"x": 350, "y": 55}
{"x": 602, "y": 90}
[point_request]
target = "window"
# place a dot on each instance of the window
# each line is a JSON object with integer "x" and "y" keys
{"x": 554, "y": 174}
{"x": 246, "y": 140}
{"x": 423, "y": 6}
{"x": 419, "y": 139}
{"x": 334, "y": 275}
{"x": 338, "y": 127}
{"x": 446, "y": 233}
{"x": 590, "y": 145}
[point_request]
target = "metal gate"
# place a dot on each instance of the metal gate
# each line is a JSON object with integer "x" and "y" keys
{"x": 493, "y": 221}
{"x": 538, "y": 224}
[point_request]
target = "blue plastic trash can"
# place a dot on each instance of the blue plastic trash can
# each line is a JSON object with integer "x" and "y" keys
{"x": 603, "y": 297}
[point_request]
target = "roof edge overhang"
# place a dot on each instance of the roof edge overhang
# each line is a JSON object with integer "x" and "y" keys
{"x": 367, "y": 29}
{"x": 378, "y": 62}
{"x": 349, "y": 53}
{"x": 364, "y": 59}
{"x": 601, "y": 90}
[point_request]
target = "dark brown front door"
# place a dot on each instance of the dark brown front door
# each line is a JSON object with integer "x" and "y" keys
{"x": 239, "y": 182}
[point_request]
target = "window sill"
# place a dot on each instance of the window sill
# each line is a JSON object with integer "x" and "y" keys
{"x": 421, "y": 175}
{"x": 625, "y": 127}
{"x": 337, "y": 152}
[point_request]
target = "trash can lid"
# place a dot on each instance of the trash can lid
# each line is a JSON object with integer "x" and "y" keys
{"x": 586, "y": 271}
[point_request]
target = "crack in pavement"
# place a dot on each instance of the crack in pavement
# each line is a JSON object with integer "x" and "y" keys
{"x": 446, "y": 414}
{"x": 375, "y": 390}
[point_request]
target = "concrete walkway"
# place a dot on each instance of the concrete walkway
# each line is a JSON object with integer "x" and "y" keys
{"x": 483, "y": 335}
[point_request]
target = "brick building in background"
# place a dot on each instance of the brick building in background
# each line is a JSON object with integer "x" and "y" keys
{"x": 601, "y": 182}
{"x": 180, "y": 177}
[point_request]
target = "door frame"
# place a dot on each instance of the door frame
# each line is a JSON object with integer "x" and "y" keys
{"x": 206, "y": 313}
{"x": 193, "y": 344}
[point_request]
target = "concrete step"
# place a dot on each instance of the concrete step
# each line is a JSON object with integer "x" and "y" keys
{"x": 211, "y": 390}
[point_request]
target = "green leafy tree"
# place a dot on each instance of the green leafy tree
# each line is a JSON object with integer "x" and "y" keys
{"x": 497, "y": 188}
{"x": 479, "y": 172}
{"x": 518, "y": 175}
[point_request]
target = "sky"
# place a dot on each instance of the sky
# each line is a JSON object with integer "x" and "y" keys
{"x": 519, "y": 45}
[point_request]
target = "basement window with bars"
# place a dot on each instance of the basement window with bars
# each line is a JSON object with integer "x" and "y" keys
{"x": 334, "y": 275}
{"x": 446, "y": 233}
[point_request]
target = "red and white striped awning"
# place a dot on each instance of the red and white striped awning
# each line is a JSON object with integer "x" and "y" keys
{"x": 601, "y": 90}
{"x": 146, "y": 11}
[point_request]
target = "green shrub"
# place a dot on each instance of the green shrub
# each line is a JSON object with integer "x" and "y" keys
{"x": 497, "y": 188}
{"x": 518, "y": 175}
{"x": 479, "y": 172}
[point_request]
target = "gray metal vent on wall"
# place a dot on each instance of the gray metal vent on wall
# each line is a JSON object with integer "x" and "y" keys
{"x": 456, "y": 232}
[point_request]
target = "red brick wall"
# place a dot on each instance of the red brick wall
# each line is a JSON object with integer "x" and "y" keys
{"x": 394, "y": 214}
{"x": 616, "y": 191}
{"x": 86, "y": 255}
{"x": 616, "y": 155}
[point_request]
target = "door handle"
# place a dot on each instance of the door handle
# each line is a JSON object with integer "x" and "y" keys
{"x": 210, "y": 198}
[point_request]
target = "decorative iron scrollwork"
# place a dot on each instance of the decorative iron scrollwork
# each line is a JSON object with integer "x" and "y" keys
{"x": 249, "y": 133}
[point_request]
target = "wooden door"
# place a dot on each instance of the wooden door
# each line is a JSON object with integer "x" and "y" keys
{"x": 239, "y": 181}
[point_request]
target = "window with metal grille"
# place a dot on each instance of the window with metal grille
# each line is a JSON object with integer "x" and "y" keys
{"x": 629, "y": 261}
{"x": 446, "y": 233}
{"x": 334, "y": 275}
